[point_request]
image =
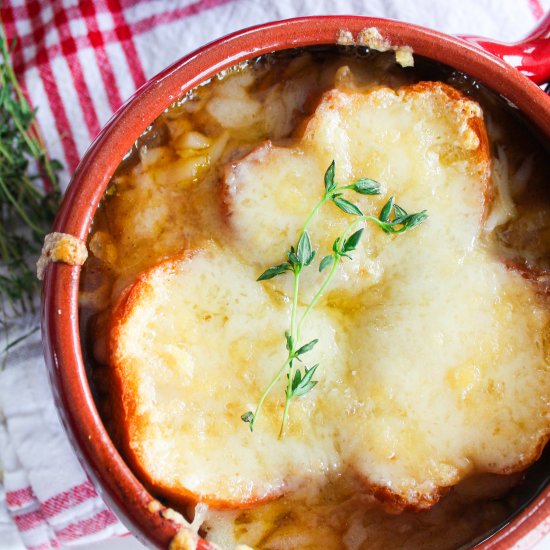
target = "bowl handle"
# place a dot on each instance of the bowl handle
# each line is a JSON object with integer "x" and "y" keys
{"x": 531, "y": 55}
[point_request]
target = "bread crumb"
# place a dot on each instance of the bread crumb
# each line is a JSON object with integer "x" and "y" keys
{"x": 185, "y": 539}
{"x": 154, "y": 506}
{"x": 61, "y": 247}
{"x": 172, "y": 515}
{"x": 371, "y": 38}
{"x": 344, "y": 38}
{"x": 404, "y": 56}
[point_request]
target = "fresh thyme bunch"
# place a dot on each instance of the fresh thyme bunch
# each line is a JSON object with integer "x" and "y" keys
{"x": 26, "y": 211}
{"x": 392, "y": 219}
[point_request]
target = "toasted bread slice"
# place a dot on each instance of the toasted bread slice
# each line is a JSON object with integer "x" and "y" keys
{"x": 418, "y": 142}
{"x": 194, "y": 343}
{"x": 451, "y": 371}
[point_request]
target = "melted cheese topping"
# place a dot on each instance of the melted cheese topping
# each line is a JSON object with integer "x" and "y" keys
{"x": 433, "y": 355}
{"x": 447, "y": 345}
{"x": 196, "y": 342}
{"x": 451, "y": 374}
{"x": 415, "y": 141}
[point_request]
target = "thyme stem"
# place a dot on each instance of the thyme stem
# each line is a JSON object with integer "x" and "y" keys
{"x": 267, "y": 390}
{"x": 314, "y": 213}
{"x": 300, "y": 257}
{"x": 294, "y": 305}
{"x": 288, "y": 398}
{"x": 26, "y": 209}
{"x": 318, "y": 295}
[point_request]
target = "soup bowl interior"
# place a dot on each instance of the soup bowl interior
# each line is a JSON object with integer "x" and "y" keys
{"x": 62, "y": 343}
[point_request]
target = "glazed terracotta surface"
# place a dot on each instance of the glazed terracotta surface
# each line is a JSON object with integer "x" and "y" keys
{"x": 60, "y": 291}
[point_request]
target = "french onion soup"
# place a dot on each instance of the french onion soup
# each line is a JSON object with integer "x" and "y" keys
{"x": 315, "y": 310}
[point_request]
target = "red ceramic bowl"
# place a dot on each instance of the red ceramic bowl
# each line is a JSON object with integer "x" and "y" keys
{"x": 482, "y": 59}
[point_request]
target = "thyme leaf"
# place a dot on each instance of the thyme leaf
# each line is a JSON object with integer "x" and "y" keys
{"x": 386, "y": 210}
{"x": 305, "y": 348}
{"x": 326, "y": 262}
{"x": 304, "y": 253}
{"x": 302, "y": 385}
{"x": 274, "y": 271}
{"x": 330, "y": 184}
{"x": 366, "y": 186}
{"x": 351, "y": 243}
{"x": 347, "y": 206}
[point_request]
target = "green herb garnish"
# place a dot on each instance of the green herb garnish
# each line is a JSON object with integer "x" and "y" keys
{"x": 26, "y": 211}
{"x": 392, "y": 219}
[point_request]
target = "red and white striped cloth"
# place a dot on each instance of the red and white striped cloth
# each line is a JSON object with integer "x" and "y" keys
{"x": 48, "y": 497}
{"x": 78, "y": 61}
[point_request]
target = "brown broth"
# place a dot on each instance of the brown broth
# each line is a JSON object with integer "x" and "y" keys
{"x": 149, "y": 213}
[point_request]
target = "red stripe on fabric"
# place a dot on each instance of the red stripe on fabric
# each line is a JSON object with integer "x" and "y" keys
{"x": 20, "y": 497}
{"x": 8, "y": 21}
{"x": 20, "y": 12}
{"x": 124, "y": 35}
{"x": 52, "y": 90}
{"x": 73, "y": 496}
{"x": 70, "y": 49}
{"x": 88, "y": 10}
{"x": 29, "y": 520}
{"x": 536, "y": 8}
{"x": 7, "y": 17}
{"x": 55, "y": 50}
{"x": 45, "y": 546}
{"x": 167, "y": 17}
{"x": 56, "y": 504}
{"x": 85, "y": 527}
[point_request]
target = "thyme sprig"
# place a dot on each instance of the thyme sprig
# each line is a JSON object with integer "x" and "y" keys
{"x": 392, "y": 219}
{"x": 26, "y": 211}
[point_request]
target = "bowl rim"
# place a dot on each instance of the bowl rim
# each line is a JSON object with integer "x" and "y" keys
{"x": 60, "y": 318}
